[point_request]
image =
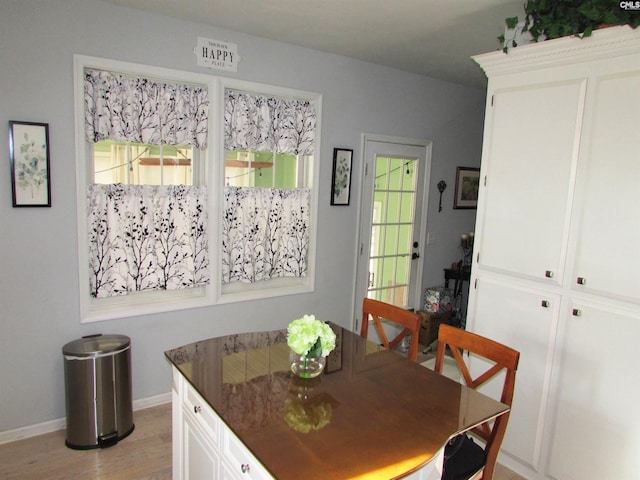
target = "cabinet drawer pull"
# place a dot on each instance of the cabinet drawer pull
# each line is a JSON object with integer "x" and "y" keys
{"x": 581, "y": 281}
{"x": 576, "y": 312}
{"x": 545, "y": 303}
{"x": 197, "y": 409}
{"x": 245, "y": 467}
{"x": 548, "y": 274}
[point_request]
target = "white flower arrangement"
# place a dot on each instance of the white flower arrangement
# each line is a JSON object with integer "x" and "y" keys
{"x": 309, "y": 335}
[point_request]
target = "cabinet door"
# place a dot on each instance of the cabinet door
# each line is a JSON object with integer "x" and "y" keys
{"x": 607, "y": 255}
{"x": 530, "y": 150}
{"x": 595, "y": 432}
{"x": 199, "y": 454}
{"x": 238, "y": 463}
{"x": 525, "y": 320}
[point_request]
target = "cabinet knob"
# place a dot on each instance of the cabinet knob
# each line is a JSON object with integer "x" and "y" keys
{"x": 548, "y": 274}
{"x": 545, "y": 303}
{"x": 581, "y": 281}
{"x": 197, "y": 408}
{"x": 245, "y": 467}
{"x": 576, "y": 312}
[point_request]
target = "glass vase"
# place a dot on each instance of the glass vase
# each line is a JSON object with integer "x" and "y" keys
{"x": 306, "y": 366}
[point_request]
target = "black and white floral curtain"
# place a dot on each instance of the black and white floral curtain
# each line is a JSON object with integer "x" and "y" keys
{"x": 266, "y": 230}
{"x": 262, "y": 123}
{"x": 265, "y": 233}
{"x": 146, "y": 237}
{"x": 138, "y": 109}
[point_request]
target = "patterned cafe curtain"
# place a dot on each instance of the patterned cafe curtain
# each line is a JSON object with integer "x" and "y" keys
{"x": 144, "y": 237}
{"x": 266, "y": 230}
{"x": 265, "y": 233}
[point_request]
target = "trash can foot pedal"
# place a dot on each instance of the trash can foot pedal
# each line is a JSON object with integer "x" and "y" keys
{"x": 108, "y": 440}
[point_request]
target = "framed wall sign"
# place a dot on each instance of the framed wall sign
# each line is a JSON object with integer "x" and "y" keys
{"x": 30, "y": 172}
{"x": 467, "y": 183}
{"x": 341, "y": 180}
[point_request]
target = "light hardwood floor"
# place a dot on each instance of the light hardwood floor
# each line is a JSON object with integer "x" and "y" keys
{"x": 143, "y": 455}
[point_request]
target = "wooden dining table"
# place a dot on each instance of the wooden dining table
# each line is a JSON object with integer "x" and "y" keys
{"x": 371, "y": 414}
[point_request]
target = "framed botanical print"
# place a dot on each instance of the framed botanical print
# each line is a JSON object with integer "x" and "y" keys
{"x": 30, "y": 171}
{"x": 341, "y": 179}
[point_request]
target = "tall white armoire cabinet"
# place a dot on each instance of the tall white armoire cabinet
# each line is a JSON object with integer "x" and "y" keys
{"x": 556, "y": 264}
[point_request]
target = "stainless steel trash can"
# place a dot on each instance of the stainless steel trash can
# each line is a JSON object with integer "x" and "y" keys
{"x": 97, "y": 376}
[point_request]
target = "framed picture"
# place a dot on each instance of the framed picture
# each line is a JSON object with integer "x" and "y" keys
{"x": 467, "y": 183}
{"x": 341, "y": 180}
{"x": 29, "y": 154}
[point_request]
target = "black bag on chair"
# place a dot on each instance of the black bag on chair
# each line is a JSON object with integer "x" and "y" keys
{"x": 462, "y": 458}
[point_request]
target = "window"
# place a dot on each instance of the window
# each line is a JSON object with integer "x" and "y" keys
{"x": 143, "y": 164}
{"x": 183, "y": 171}
{"x": 269, "y": 144}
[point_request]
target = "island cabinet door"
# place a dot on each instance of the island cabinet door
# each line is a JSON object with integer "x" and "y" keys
{"x": 237, "y": 461}
{"x": 200, "y": 457}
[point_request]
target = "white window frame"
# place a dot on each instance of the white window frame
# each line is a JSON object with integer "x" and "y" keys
{"x": 92, "y": 309}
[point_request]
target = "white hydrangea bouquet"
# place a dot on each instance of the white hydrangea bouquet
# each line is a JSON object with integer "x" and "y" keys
{"x": 310, "y": 337}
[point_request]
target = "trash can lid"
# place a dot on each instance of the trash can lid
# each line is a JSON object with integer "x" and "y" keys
{"x": 96, "y": 345}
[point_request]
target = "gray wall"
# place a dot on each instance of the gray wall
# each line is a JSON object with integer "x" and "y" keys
{"x": 38, "y": 248}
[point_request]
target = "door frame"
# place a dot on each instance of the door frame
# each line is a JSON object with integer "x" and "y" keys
{"x": 422, "y": 213}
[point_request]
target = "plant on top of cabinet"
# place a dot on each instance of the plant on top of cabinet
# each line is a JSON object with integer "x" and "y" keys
{"x": 547, "y": 19}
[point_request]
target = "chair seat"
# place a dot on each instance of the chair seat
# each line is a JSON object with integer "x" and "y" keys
{"x": 463, "y": 458}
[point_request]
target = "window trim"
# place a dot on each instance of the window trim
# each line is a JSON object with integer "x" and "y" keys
{"x": 143, "y": 303}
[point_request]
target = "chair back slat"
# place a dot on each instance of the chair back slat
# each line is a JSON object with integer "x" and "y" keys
{"x": 410, "y": 321}
{"x": 502, "y": 359}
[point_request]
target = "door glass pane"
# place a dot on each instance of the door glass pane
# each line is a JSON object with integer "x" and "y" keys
{"x": 406, "y": 207}
{"x": 404, "y": 239}
{"x": 409, "y": 177}
{"x": 379, "y": 207}
{"x": 396, "y": 172}
{"x": 382, "y": 173}
{"x": 393, "y": 207}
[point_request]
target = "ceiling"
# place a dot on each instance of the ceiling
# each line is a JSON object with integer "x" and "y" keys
{"x": 434, "y": 38}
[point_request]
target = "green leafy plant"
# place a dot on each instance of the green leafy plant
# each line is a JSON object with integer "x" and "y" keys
{"x": 547, "y": 19}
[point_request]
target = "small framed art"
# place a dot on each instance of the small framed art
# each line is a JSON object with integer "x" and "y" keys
{"x": 30, "y": 171}
{"x": 467, "y": 183}
{"x": 341, "y": 179}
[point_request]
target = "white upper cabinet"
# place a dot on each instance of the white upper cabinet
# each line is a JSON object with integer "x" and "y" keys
{"x": 530, "y": 150}
{"x": 607, "y": 256}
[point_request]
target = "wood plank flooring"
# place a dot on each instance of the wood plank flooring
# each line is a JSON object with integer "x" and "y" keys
{"x": 143, "y": 455}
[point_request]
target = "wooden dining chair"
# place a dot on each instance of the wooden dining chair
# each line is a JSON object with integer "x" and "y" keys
{"x": 472, "y": 461}
{"x": 410, "y": 321}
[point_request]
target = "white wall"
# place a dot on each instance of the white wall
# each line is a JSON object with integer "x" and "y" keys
{"x": 38, "y": 250}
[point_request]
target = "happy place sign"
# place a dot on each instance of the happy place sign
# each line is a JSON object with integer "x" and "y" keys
{"x": 217, "y": 54}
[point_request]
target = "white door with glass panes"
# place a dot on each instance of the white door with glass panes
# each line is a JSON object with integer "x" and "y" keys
{"x": 393, "y": 218}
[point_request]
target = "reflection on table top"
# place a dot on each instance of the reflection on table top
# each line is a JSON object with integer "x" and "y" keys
{"x": 372, "y": 413}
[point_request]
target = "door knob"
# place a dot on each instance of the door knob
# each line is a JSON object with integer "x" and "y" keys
{"x": 415, "y": 255}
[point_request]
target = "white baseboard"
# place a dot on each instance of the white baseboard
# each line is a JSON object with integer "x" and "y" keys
{"x": 61, "y": 423}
